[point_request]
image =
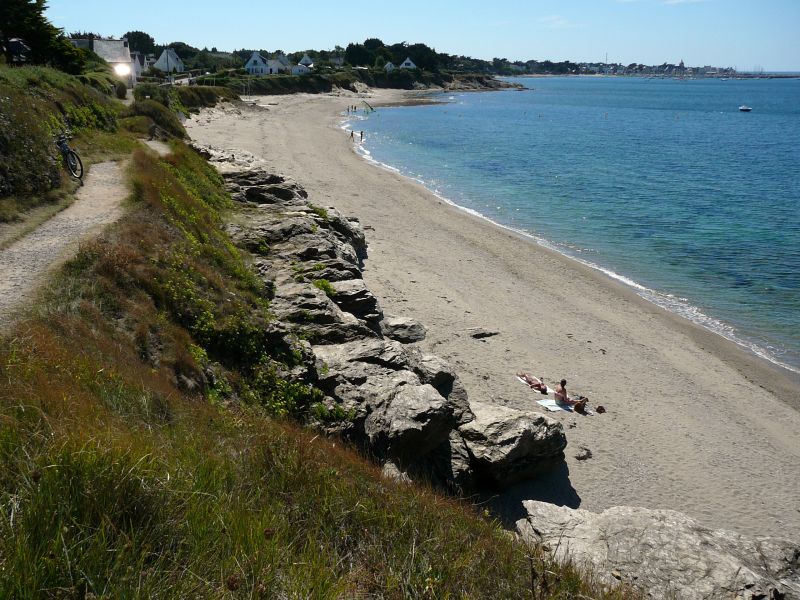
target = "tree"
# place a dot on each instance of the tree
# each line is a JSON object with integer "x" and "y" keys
{"x": 373, "y": 44}
{"x": 25, "y": 19}
{"x": 357, "y": 54}
{"x": 139, "y": 41}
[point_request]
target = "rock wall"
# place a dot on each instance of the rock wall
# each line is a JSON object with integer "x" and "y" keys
{"x": 406, "y": 407}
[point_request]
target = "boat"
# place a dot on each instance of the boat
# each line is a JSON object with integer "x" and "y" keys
{"x": 745, "y": 108}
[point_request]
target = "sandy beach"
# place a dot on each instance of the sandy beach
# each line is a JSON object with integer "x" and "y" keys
{"x": 694, "y": 423}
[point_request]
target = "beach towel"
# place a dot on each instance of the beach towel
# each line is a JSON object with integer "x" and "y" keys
{"x": 553, "y": 406}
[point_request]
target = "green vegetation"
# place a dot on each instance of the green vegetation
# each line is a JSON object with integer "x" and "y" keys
{"x": 145, "y": 449}
{"x": 47, "y": 45}
{"x": 139, "y": 457}
{"x": 36, "y": 103}
{"x": 325, "y": 286}
{"x": 184, "y": 98}
{"x": 160, "y": 115}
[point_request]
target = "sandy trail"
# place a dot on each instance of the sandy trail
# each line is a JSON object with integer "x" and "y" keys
{"x": 694, "y": 423}
{"x": 25, "y": 264}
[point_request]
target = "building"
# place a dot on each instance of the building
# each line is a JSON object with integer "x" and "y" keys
{"x": 407, "y": 64}
{"x": 306, "y": 61}
{"x": 169, "y": 62}
{"x": 389, "y": 67}
{"x": 300, "y": 69}
{"x": 257, "y": 65}
{"x": 140, "y": 63}
{"x": 114, "y": 52}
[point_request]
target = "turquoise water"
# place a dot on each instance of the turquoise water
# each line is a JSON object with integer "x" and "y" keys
{"x": 663, "y": 184}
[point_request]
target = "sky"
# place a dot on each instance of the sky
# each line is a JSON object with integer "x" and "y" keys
{"x": 746, "y": 34}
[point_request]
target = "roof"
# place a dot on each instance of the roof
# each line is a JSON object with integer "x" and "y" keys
{"x": 113, "y": 51}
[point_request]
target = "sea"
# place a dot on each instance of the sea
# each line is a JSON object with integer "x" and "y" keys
{"x": 662, "y": 184}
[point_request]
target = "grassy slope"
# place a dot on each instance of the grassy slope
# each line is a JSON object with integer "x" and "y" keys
{"x": 119, "y": 479}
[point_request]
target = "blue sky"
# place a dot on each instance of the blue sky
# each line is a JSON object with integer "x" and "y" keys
{"x": 738, "y": 33}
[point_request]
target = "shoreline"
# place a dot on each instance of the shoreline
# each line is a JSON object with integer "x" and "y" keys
{"x": 787, "y": 385}
{"x": 695, "y": 423}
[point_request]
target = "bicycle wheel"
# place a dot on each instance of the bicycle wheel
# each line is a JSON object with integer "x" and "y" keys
{"x": 74, "y": 164}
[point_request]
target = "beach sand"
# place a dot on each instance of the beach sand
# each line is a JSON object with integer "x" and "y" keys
{"x": 694, "y": 423}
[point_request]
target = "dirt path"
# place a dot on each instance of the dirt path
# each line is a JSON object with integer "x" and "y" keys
{"x": 25, "y": 263}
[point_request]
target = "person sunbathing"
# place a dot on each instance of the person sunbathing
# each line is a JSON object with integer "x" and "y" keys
{"x": 578, "y": 403}
{"x": 533, "y": 382}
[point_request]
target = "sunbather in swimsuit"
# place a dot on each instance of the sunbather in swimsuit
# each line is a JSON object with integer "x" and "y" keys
{"x": 577, "y": 403}
{"x": 533, "y": 382}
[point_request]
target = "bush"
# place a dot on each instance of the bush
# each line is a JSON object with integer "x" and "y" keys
{"x": 121, "y": 90}
{"x": 35, "y": 102}
{"x": 161, "y": 115}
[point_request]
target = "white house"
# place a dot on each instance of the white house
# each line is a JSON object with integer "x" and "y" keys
{"x": 407, "y": 64}
{"x": 276, "y": 66}
{"x": 389, "y": 67}
{"x": 139, "y": 63}
{"x": 306, "y": 61}
{"x": 169, "y": 62}
{"x": 300, "y": 69}
{"x": 281, "y": 58}
{"x": 257, "y": 65}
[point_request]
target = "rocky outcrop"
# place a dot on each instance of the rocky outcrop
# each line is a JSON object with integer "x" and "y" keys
{"x": 405, "y": 407}
{"x": 666, "y": 553}
{"x": 508, "y": 445}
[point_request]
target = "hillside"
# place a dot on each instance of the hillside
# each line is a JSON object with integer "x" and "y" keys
{"x": 151, "y": 444}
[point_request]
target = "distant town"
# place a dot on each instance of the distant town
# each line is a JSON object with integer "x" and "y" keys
{"x": 136, "y": 57}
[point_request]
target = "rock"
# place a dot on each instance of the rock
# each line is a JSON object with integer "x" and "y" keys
{"x": 480, "y": 333}
{"x": 400, "y": 417}
{"x": 583, "y": 453}
{"x": 392, "y": 471}
{"x": 666, "y": 553}
{"x": 313, "y": 314}
{"x": 403, "y": 329}
{"x": 437, "y": 372}
{"x": 353, "y": 296}
{"x": 410, "y": 423}
{"x": 448, "y": 465}
{"x": 508, "y": 445}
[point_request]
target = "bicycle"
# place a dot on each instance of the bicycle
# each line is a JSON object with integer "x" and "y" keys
{"x": 71, "y": 159}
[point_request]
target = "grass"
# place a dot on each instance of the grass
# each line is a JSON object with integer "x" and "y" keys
{"x": 35, "y": 104}
{"x": 326, "y": 286}
{"x": 146, "y": 450}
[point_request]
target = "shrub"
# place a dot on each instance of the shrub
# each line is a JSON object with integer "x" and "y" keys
{"x": 35, "y": 102}
{"x": 325, "y": 286}
{"x": 161, "y": 116}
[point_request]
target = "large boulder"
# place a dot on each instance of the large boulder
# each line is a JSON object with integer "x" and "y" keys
{"x": 509, "y": 445}
{"x": 409, "y": 423}
{"x": 398, "y": 415}
{"x": 666, "y": 553}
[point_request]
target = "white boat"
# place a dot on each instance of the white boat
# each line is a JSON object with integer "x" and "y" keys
{"x": 745, "y": 108}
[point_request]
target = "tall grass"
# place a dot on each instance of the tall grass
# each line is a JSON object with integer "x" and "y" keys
{"x": 118, "y": 480}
